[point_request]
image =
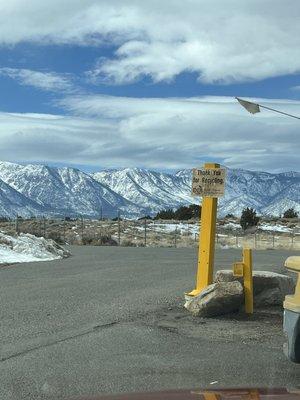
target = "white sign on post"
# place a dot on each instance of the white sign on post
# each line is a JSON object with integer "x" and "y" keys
{"x": 208, "y": 182}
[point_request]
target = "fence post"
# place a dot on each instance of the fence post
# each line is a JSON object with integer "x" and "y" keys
{"x": 255, "y": 240}
{"x": 100, "y": 229}
{"x": 81, "y": 227}
{"x": 17, "y": 225}
{"x": 236, "y": 240}
{"x": 175, "y": 238}
{"x": 273, "y": 239}
{"x": 119, "y": 228}
{"x": 145, "y": 232}
{"x": 292, "y": 239}
{"x": 44, "y": 226}
{"x": 64, "y": 230}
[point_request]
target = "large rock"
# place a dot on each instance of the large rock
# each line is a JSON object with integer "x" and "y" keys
{"x": 269, "y": 288}
{"x": 217, "y": 299}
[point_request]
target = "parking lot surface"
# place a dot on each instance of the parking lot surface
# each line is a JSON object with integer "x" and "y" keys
{"x": 110, "y": 320}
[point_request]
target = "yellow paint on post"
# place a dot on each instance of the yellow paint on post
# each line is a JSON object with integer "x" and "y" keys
{"x": 207, "y": 234}
{"x": 248, "y": 280}
{"x": 244, "y": 269}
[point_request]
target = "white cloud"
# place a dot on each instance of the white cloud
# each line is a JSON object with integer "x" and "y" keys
{"x": 235, "y": 41}
{"x": 48, "y": 81}
{"x": 155, "y": 133}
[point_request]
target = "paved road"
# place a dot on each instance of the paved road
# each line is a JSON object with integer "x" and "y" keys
{"x": 109, "y": 320}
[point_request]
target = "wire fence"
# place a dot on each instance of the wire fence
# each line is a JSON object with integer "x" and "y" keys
{"x": 145, "y": 232}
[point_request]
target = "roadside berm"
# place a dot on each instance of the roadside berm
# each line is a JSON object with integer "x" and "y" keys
{"x": 226, "y": 294}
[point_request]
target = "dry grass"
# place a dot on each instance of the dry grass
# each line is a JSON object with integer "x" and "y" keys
{"x": 158, "y": 234}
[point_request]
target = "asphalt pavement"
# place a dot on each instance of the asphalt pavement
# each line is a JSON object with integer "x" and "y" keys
{"x": 110, "y": 320}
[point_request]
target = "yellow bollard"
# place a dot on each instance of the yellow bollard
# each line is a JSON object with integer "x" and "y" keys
{"x": 207, "y": 233}
{"x": 244, "y": 269}
{"x": 248, "y": 280}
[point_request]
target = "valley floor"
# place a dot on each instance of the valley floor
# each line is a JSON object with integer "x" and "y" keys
{"x": 141, "y": 233}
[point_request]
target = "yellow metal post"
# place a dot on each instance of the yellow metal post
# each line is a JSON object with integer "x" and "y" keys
{"x": 248, "y": 280}
{"x": 207, "y": 233}
{"x": 244, "y": 269}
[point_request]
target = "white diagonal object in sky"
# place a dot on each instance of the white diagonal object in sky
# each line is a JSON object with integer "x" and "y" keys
{"x": 253, "y": 108}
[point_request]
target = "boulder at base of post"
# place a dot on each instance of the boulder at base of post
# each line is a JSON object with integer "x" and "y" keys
{"x": 269, "y": 288}
{"x": 216, "y": 299}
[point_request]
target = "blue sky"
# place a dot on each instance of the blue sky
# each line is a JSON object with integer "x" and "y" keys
{"x": 76, "y": 60}
{"x": 126, "y": 83}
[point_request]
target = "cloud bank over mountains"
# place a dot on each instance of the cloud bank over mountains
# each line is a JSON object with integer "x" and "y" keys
{"x": 170, "y": 133}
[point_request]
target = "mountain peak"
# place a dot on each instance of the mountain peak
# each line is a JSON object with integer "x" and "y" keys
{"x": 135, "y": 191}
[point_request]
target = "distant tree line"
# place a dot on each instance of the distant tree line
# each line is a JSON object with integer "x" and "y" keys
{"x": 250, "y": 219}
{"x": 182, "y": 213}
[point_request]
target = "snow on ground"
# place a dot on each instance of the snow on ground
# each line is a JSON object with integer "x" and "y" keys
{"x": 232, "y": 225}
{"x": 275, "y": 228}
{"x": 181, "y": 227}
{"x": 26, "y": 248}
{"x": 184, "y": 227}
{"x": 264, "y": 227}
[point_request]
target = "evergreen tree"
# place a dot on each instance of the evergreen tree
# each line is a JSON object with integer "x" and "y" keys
{"x": 165, "y": 214}
{"x": 182, "y": 213}
{"x": 290, "y": 213}
{"x": 229, "y": 215}
{"x": 248, "y": 218}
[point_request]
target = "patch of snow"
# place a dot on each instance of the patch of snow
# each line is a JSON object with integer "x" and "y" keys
{"x": 27, "y": 248}
{"x": 225, "y": 246}
{"x": 232, "y": 225}
{"x": 275, "y": 228}
{"x": 171, "y": 227}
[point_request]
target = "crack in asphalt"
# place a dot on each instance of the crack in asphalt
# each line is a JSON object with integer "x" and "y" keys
{"x": 51, "y": 343}
{"x": 168, "y": 320}
{"x": 138, "y": 318}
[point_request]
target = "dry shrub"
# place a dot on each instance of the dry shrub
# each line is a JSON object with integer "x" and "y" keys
{"x": 128, "y": 243}
{"x": 56, "y": 237}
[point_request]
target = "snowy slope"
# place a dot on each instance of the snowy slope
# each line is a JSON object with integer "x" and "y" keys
{"x": 279, "y": 206}
{"x": 261, "y": 190}
{"x": 64, "y": 191}
{"x": 267, "y": 193}
{"x": 153, "y": 191}
{"x": 37, "y": 189}
{"x": 14, "y": 203}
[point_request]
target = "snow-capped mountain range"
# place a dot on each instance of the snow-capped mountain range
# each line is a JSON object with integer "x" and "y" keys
{"x": 36, "y": 190}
